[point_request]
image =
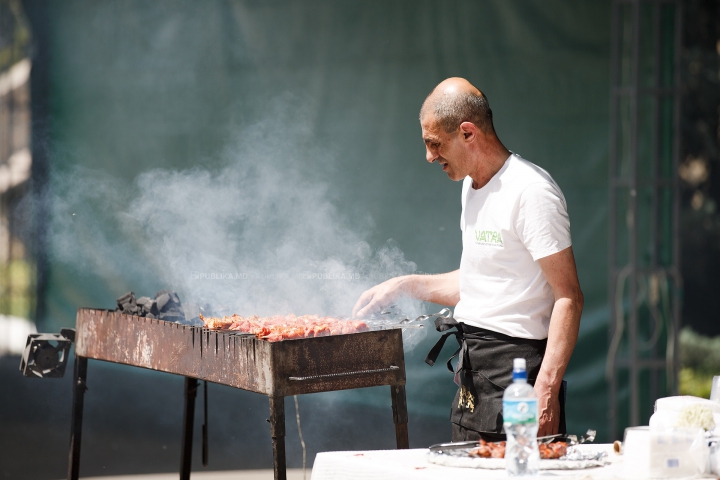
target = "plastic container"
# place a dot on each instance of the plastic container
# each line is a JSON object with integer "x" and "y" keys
{"x": 520, "y": 417}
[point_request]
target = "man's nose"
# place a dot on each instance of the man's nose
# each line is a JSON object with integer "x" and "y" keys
{"x": 430, "y": 155}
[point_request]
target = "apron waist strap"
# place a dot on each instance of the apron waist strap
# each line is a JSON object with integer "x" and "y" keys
{"x": 442, "y": 324}
{"x": 462, "y": 331}
{"x": 432, "y": 356}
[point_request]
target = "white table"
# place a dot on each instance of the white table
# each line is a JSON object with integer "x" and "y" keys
{"x": 413, "y": 464}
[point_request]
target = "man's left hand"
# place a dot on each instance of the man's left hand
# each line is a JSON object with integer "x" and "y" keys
{"x": 560, "y": 272}
{"x": 548, "y": 410}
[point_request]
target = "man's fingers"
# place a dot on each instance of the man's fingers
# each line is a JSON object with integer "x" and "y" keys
{"x": 362, "y": 301}
{"x": 355, "y": 309}
{"x": 549, "y": 418}
{"x": 546, "y": 429}
{"x": 375, "y": 298}
{"x": 368, "y": 308}
{"x": 371, "y": 300}
{"x": 358, "y": 310}
{"x": 367, "y": 304}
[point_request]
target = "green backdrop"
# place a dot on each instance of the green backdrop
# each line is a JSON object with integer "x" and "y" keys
{"x": 311, "y": 108}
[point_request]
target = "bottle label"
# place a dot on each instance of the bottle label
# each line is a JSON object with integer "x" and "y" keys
{"x": 520, "y": 412}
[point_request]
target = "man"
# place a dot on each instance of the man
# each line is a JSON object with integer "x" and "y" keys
{"x": 516, "y": 292}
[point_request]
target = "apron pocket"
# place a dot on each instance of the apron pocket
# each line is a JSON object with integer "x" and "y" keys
{"x": 478, "y": 403}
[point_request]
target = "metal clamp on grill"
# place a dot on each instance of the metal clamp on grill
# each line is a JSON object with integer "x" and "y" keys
{"x": 363, "y": 372}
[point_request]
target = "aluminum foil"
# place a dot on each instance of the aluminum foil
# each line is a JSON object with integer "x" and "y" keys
{"x": 574, "y": 453}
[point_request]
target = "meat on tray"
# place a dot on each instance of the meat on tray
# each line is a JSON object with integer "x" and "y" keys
{"x": 552, "y": 450}
{"x": 274, "y": 329}
{"x": 489, "y": 450}
{"x": 497, "y": 450}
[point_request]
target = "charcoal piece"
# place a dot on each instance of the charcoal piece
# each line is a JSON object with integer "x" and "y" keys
{"x": 126, "y": 298}
{"x": 130, "y": 309}
{"x": 148, "y": 306}
{"x": 162, "y": 301}
{"x": 165, "y": 305}
{"x": 168, "y": 301}
{"x": 174, "y": 298}
{"x": 127, "y": 302}
{"x": 142, "y": 301}
{"x": 163, "y": 292}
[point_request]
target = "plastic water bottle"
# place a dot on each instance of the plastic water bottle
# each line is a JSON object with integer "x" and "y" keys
{"x": 520, "y": 416}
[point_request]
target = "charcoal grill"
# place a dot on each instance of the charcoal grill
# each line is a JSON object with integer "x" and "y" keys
{"x": 275, "y": 369}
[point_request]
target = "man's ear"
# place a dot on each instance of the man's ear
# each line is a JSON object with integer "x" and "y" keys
{"x": 469, "y": 131}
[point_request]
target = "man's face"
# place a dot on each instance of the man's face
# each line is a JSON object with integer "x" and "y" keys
{"x": 448, "y": 149}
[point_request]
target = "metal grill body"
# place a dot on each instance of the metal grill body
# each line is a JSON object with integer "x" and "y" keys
{"x": 275, "y": 369}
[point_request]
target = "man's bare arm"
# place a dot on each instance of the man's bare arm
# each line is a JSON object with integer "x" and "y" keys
{"x": 561, "y": 274}
{"x": 443, "y": 289}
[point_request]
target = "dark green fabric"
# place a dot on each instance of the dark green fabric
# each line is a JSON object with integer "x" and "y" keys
{"x": 140, "y": 85}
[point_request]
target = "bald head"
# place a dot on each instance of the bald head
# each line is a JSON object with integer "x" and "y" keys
{"x": 455, "y": 101}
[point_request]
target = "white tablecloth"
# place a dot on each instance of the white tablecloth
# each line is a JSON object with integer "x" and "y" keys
{"x": 413, "y": 464}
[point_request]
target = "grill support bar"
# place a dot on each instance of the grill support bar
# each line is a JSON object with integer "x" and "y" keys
{"x": 400, "y": 415}
{"x": 277, "y": 424}
{"x": 191, "y": 386}
{"x": 79, "y": 387}
{"x": 277, "y": 432}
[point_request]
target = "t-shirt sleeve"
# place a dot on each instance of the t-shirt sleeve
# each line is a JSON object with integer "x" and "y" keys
{"x": 543, "y": 224}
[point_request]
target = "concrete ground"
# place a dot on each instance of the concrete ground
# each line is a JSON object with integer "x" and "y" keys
{"x": 292, "y": 474}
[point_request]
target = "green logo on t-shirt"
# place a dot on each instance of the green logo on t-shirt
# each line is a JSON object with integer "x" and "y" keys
{"x": 488, "y": 237}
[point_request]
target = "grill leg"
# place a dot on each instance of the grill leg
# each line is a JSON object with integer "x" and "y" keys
{"x": 191, "y": 385}
{"x": 400, "y": 415}
{"x": 79, "y": 387}
{"x": 277, "y": 431}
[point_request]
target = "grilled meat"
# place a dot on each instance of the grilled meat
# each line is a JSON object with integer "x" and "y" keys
{"x": 489, "y": 450}
{"x": 277, "y": 328}
{"x": 552, "y": 450}
{"x": 497, "y": 450}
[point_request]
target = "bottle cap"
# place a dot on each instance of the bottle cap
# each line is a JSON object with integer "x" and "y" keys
{"x": 519, "y": 364}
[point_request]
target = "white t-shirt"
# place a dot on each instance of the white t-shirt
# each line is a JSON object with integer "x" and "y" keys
{"x": 519, "y": 217}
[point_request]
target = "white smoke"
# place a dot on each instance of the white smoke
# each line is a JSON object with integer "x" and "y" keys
{"x": 258, "y": 234}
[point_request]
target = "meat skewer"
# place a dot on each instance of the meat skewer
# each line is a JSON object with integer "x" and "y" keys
{"x": 277, "y": 328}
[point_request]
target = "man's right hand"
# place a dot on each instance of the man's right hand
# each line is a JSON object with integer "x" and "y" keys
{"x": 443, "y": 289}
{"x": 379, "y": 297}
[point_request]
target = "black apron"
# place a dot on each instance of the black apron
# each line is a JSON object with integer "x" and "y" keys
{"x": 484, "y": 370}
